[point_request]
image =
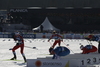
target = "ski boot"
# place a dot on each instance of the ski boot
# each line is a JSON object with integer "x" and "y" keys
{"x": 24, "y": 59}
{"x": 14, "y": 58}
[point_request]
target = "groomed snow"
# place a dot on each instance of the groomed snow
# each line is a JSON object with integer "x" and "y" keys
{"x": 41, "y": 50}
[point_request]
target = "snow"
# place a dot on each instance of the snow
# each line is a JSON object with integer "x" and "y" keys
{"x": 35, "y": 48}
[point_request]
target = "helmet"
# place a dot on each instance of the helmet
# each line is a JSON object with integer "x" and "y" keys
{"x": 54, "y": 31}
{"x": 17, "y": 33}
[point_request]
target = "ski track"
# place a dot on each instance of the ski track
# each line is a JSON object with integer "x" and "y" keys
{"x": 42, "y": 46}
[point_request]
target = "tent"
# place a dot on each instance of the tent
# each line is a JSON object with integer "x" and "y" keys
{"x": 47, "y": 26}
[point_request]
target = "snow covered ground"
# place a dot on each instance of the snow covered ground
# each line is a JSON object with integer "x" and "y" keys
{"x": 41, "y": 50}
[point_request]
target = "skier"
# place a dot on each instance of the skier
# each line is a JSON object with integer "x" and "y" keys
{"x": 57, "y": 37}
{"x": 94, "y": 38}
{"x": 88, "y": 49}
{"x": 20, "y": 44}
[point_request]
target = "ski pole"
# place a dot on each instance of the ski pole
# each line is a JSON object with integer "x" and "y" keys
{"x": 31, "y": 47}
{"x": 27, "y": 47}
{"x": 89, "y": 43}
{"x": 50, "y": 43}
{"x": 67, "y": 47}
{"x": 65, "y": 44}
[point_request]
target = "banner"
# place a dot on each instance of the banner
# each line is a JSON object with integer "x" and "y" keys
{"x": 80, "y": 60}
{"x": 47, "y": 63}
{"x": 18, "y": 10}
{"x": 29, "y": 35}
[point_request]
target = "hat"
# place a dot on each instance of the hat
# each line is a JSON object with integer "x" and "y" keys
{"x": 17, "y": 33}
{"x": 54, "y": 31}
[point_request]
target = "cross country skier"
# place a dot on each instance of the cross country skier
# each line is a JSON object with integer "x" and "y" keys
{"x": 88, "y": 49}
{"x": 20, "y": 44}
{"x": 94, "y": 38}
{"x": 58, "y": 39}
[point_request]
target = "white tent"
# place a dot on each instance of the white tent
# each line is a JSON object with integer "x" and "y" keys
{"x": 47, "y": 26}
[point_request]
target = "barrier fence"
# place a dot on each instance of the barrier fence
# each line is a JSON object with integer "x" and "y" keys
{"x": 47, "y": 35}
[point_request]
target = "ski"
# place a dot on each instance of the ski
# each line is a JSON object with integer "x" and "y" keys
{"x": 11, "y": 60}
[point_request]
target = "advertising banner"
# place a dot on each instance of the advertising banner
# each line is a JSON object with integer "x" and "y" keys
{"x": 47, "y": 63}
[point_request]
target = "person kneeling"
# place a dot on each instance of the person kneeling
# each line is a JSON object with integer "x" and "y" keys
{"x": 59, "y": 51}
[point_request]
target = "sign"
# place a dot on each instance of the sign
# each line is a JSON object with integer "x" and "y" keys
{"x": 80, "y": 61}
{"x": 29, "y": 35}
{"x": 47, "y": 63}
{"x": 18, "y": 10}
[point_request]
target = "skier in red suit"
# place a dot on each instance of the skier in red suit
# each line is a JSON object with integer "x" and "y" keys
{"x": 96, "y": 38}
{"x": 88, "y": 49}
{"x": 20, "y": 44}
{"x": 57, "y": 37}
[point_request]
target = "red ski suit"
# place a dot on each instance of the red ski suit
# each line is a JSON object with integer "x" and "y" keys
{"x": 57, "y": 39}
{"x": 20, "y": 43}
{"x": 86, "y": 51}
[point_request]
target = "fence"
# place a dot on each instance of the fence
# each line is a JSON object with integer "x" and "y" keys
{"x": 46, "y": 35}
